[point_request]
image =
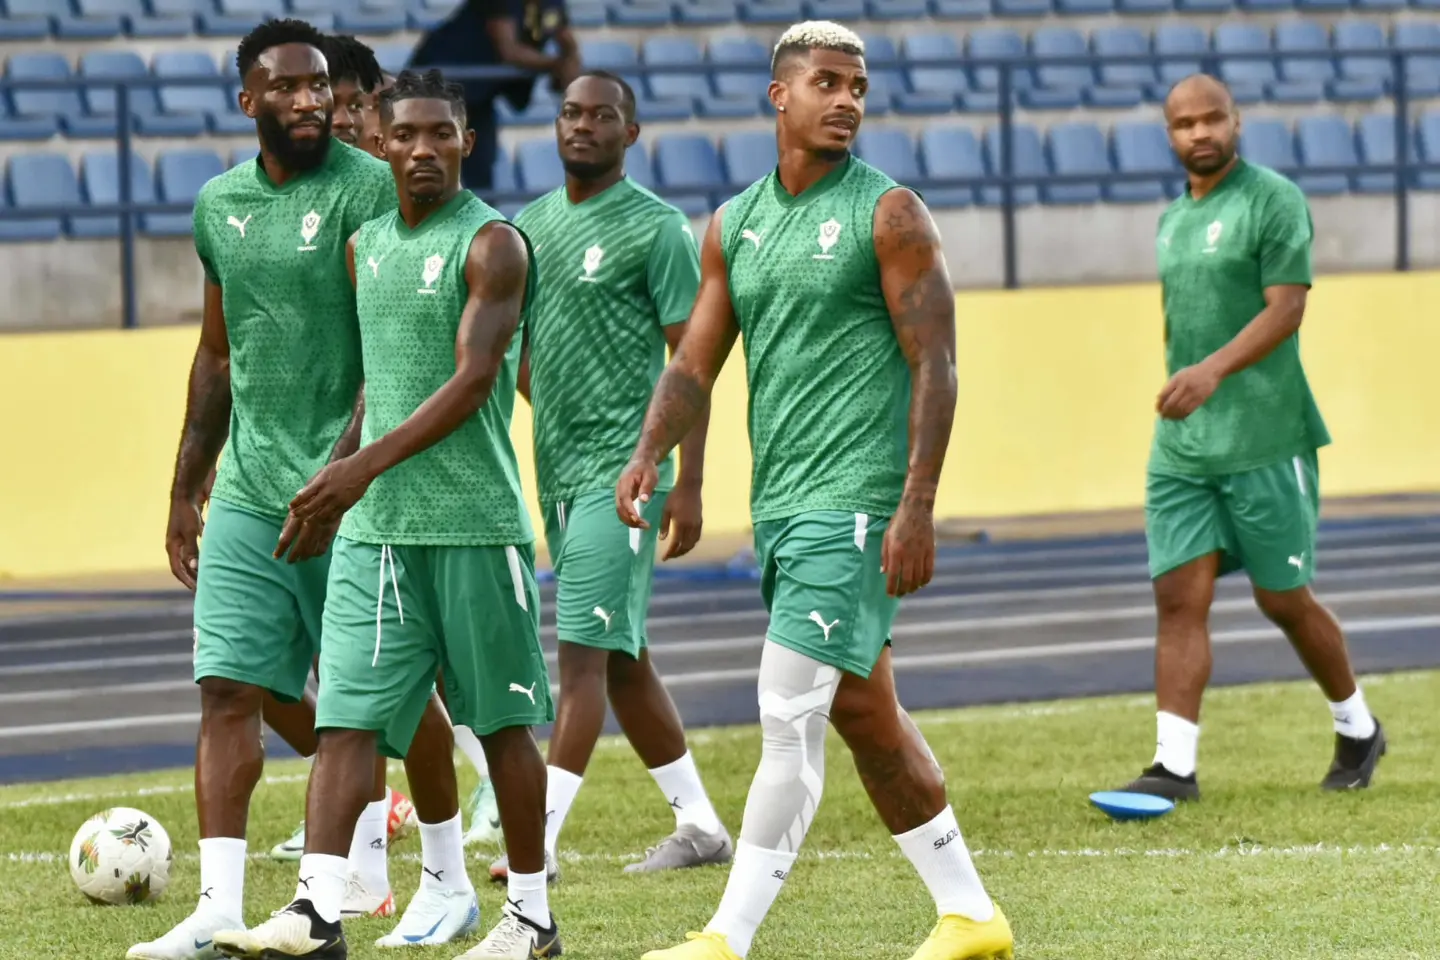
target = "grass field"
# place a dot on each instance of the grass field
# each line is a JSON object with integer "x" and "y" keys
{"x": 1265, "y": 867}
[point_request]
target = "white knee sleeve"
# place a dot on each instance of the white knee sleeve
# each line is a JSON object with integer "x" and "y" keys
{"x": 795, "y": 697}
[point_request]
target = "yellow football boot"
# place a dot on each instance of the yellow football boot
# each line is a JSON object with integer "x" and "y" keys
{"x": 697, "y": 946}
{"x": 960, "y": 938}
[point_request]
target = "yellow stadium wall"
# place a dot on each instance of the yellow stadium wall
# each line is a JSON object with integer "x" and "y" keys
{"x": 1057, "y": 389}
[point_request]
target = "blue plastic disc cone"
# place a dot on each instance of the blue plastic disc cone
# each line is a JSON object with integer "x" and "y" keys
{"x": 1131, "y": 806}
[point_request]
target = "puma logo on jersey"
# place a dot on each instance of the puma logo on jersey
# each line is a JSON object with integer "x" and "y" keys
{"x": 239, "y": 224}
{"x": 1297, "y": 562}
{"x": 753, "y": 237}
{"x": 530, "y": 692}
{"x": 819, "y": 621}
{"x": 600, "y": 612}
{"x": 375, "y": 265}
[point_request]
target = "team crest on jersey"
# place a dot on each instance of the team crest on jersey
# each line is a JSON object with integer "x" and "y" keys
{"x": 829, "y": 235}
{"x": 593, "y": 256}
{"x": 1212, "y": 235}
{"x": 431, "y": 272}
{"x": 309, "y": 227}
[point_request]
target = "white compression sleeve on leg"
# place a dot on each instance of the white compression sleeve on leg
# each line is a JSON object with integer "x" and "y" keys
{"x": 795, "y": 697}
{"x": 469, "y": 745}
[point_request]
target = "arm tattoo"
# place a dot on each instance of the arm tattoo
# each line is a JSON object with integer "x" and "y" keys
{"x": 679, "y": 401}
{"x": 922, "y": 310}
{"x": 207, "y": 423}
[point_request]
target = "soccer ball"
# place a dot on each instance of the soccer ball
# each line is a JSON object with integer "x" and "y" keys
{"x": 120, "y": 856}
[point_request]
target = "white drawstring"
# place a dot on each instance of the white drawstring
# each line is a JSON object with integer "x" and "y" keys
{"x": 386, "y": 553}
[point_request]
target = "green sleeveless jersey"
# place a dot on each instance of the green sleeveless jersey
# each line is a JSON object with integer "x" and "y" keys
{"x": 410, "y": 291}
{"x": 829, "y": 387}
{"x": 1216, "y": 257}
{"x": 278, "y": 255}
{"x": 618, "y": 268}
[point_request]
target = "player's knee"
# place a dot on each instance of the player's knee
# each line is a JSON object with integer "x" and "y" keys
{"x": 1286, "y": 608}
{"x": 582, "y": 669}
{"x": 624, "y": 672}
{"x": 863, "y": 720}
{"x": 1182, "y": 601}
{"x": 220, "y": 695}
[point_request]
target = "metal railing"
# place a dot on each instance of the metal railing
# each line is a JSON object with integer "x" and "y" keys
{"x": 1404, "y": 169}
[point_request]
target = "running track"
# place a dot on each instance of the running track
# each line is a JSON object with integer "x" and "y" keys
{"x": 1024, "y": 620}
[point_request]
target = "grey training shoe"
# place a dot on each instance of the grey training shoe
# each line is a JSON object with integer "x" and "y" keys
{"x": 688, "y": 846}
{"x": 500, "y": 869}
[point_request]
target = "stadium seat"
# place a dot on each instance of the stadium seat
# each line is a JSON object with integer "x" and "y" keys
{"x": 100, "y": 101}
{"x": 1265, "y": 6}
{"x": 1179, "y": 38}
{"x": 640, "y": 13}
{"x": 370, "y": 17}
{"x": 29, "y": 21}
{"x": 703, "y": 13}
{"x": 1076, "y": 149}
{"x": 998, "y": 43}
{"x": 1376, "y": 134}
{"x": 235, "y": 18}
{"x": 1123, "y": 42}
{"x": 694, "y": 87}
{"x": 897, "y": 9}
{"x": 688, "y": 170}
{"x": 24, "y": 128}
{"x": 1248, "y": 79}
{"x": 100, "y": 182}
{"x": 1027, "y": 160}
{"x": 749, "y": 68}
{"x": 41, "y": 180}
{"x": 1204, "y": 6}
{"x": 1362, "y": 35}
{"x": 1269, "y": 143}
{"x": 1322, "y": 6}
{"x": 951, "y": 153}
{"x": 1085, "y": 8}
{"x": 1427, "y": 139}
{"x": 841, "y": 11}
{"x": 538, "y": 167}
{"x": 180, "y": 174}
{"x": 245, "y": 154}
{"x": 185, "y": 11}
{"x": 1022, "y": 8}
{"x": 1379, "y": 6}
{"x": 886, "y": 82}
{"x": 1067, "y": 42}
{"x": 935, "y": 85}
{"x": 201, "y": 104}
{"x": 95, "y": 19}
{"x": 1303, "y": 36}
{"x": 638, "y": 166}
{"x": 62, "y": 105}
{"x": 1324, "y": 142}
{"x": 1143, "y": 7}
{"x": 771, "y": 12}
{"x": 393, "y": 56}
{"x": 749, "y": 155}
{"x": 1142, "y": 148}
{"x": 1422, "y": 73}
{"x": 960, "y": 9}
{"x": 891, "y": 151}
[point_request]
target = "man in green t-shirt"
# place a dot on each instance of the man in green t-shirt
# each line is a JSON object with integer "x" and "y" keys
{"x": 1233, "y": 480}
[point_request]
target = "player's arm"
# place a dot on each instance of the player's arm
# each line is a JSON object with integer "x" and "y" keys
{"x": 682, "y": 396}
{"x": 496, "y": 269}
{"x": 522, "y": 376}
{"x": 1285, "y": 274}
{"x": 207, "y": 424}
{"x": 921, "y": 302}
{"x": 349, "y": 440}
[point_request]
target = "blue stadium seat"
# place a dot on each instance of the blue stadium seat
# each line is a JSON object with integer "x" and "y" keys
{"x": 638, "y": 166}
{"x": 773, "y": 12}
{"x": 1084, "y": 8}
{"x": 24, "y": 231}
{"x": 235, "y": 18}
{"x": 502, "y": 173}
{"x": 1123, "y": 42}
{"x": 951, "y": 153}
{"x": 1304, "y": 36}
{"x": 836, "y": 10}
{"x": 100, "y": 183}
{"x": 186, "y": 11}
{"x": 96, "y": 19}
{"x": 1377, "y": 148}
{"x": 199, "y": 104}
{"x": 43, "y": 179}
{"x": 1322, "y": 6}
{"x": 897, "y": 9}
{"x": 1362, "y": 35}
{"x": 393, "y": 56}
{"x": 1248, "y": 79}
{"x": 100, "y": 100}
{"x": 1076, "y": 149}
{"x": 749, "y": 75}
{"x": 1022, "y": 8}
{"x": 1143, "y": 7}
{"x": 890, "y": 150}
{"x": 24, "y": 128}
{"x": 1265, "y": 6}
{"x": 998, "y": 43}
{"x": 695, "y": 87}
{"x": 1027, "y": 160}
{"x": 246, "y": 154}
{"x": 688, "y": 169}
{"x": 370, "y": 17}
{"x": 1204, "y": 6}
{"x": 960, "y": 9}
{"x": 1379, "y": 6}
{"x": 1180, "y": 38}
{"x": 1061, "y": 42}
{"x": 1427, "y": 139}
{"x": 1269, "y": 143}
{"x": 63, "y": 105}
{"x": 180, "y": 174}
{"x": 749, "y": 155}
{"x": 537, "y": 166}
{"x": 935, "y": 85}
{"x": 22, "y": 22}
{"x": 646, "y": 14}
{"x": 704, "y": 13}
{"x": 1325, "y": 142}
{"x": 1142, "y": 148}
{"x": 1422, "y": 73}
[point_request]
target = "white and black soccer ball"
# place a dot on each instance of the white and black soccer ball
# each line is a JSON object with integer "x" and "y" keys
{"x": 119, "y": 856}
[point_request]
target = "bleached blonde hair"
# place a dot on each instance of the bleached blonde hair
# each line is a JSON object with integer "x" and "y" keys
{"x": 817, "y": 35}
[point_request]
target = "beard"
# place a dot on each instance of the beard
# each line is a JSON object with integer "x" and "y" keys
{"x": 294, "y": 155}
{"x": 588, "y": 170}
{"x": 1212, "y": 164}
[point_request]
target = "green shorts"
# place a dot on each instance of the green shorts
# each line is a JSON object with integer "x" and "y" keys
{"x": 603, "y": 570}
{"x": 821, "y": 581}
{"x": 257, "y": 619}
{"x": 1262, "y": 520}
{"x": 471, "y": 613}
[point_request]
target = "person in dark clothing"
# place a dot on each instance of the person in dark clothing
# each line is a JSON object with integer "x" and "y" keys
{"x": 493, "y": 33}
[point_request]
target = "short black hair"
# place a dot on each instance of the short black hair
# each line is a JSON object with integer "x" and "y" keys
{"x": 627, "y": 92}
{"x": 275, "y": 33}
{"x": 352, "y": 61}
{"x": 430, "y": 85}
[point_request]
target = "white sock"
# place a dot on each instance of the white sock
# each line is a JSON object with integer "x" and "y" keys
{"x": 1352, "y": 717}
{"x": 367, "y": 847}
{"x": 442, "y": 856}
{"x": 222, "y": 877}
{"x": 469, "y": 745}
{"x": 528, "y": 896}
{"x": 940, "y": 857}
{"x": 680, "y": 782}
{"x": 1176, "y": 742}
{"x": 322, "y": 882}
{"x": 561, "y": 786}
{"x": 756, "y": 876}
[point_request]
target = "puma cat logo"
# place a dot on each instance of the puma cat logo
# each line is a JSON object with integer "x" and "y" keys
{"x": 240, "y": 224}
{"x": 819, "y": 621}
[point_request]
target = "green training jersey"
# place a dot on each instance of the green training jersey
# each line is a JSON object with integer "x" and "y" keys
{"x": 829, "y": 387}
{"x": 278, "y": 256}
{"x": 1217, "y": 255}
{"x": 410, "y": 290}
{"x": 618, "y": 268}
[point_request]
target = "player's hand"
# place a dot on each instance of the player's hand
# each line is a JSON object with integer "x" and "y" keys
{"x": 1187, "y": 391}
{"x": 333, "y": 490}
{"x": 304, "y": 541}
{"x": 907, "y": 555}
{"x": 633, "y": 491}
{"x": 182, "y": 541}
{"x": 683, "y": 516}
